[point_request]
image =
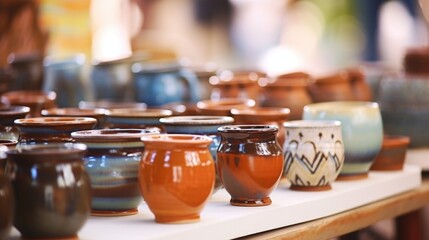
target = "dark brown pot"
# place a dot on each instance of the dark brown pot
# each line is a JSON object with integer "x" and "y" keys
{"x": 51, "y": 189}
{"x": 6, "y": 197}
{"x": 8, "y": 114}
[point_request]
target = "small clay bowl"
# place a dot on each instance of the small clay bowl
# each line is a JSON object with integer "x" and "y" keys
{"x": 97, "y": 113}
{"x": 392, "y": 153}
{"x": 222, "y": 107}
{"x": 136, "y": 118}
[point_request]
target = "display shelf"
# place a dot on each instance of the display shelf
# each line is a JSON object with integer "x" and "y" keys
{"x": 220, "y": 220}
{"x": 419, "y": 157}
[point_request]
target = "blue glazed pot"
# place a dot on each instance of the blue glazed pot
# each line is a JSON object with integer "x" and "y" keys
{"x": 112, "y": 164}
{"x": 362, "y": 130}
{"x": 201, "y": 125}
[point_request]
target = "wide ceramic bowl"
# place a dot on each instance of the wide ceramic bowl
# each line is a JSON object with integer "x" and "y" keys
{"x": 362, "y": 130}
{"x": 112, "y": 162}
{"x": 314, "y": 154}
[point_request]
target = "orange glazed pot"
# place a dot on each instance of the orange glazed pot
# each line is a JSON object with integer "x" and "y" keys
{"x": 176, "y": 176}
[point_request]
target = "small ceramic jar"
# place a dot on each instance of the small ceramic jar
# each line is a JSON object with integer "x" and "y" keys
{"x": 8, "y": 114}
{"x": 176, "y": 176}
{"x": 35, "y": 100}
{"x": 51, "y": 129}
{"x": 201, "y": 125}
{"x": 51, "y": 189}
{"x": 392, "y": 153}
{"x": 222, "y": 107}
{"x": 250, "y": 163}
{"x": 6, "y": 197}
{"x": 314, "y": 154}
{"x": 97, "y": 113}
{"x": 136, "y": 118}
{"x": 112, "y": 162}
{"x": 362, "y": 130}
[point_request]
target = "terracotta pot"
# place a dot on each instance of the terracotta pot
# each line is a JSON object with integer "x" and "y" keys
{"x": 392, "y": 153}
{"x": 237, "y": 87}
{"x": 136, "y": 118}
{"x": 223, "y": 107}
{"x": 112, "y": 162}
{"x": 51, "y": 129}
{"x": 97, "y": 113}
{"x": 360, "y": 87}
{"x": 334, "y": 87}
{"x": 6, "y": 197}
{"x": 51, "y": 189}
{"x": 250, "y": 163}
{"x": 176, "y": 175}
{"x": 263, "y": 115}
{"x": 35, "y": 100}
{"x": 8, "y": 114}
{"x": 201, "y": 125}
{"x": 287, "y": 91}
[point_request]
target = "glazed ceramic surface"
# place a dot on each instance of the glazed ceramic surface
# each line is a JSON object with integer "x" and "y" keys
{"x": 250, "y": 163}
{"x": 176, "y": 175}
{"x": 112, "y": 163}
{"x": 35, "y": 100}
{"x": 222, "y": 107}
{"x": 51, "y": 189}
{"x": 8, "y": 114}
{"x": 392, "y": 153}
{"x": 201, "y": 125}
{"x": 136, "y": 118}
{"x": 362, "y": 130}
{"x": 51, "y": 129}
{"x": 97, "y": 113}
{"x": 6, "y": 197}
{"x": 314, "y": 154}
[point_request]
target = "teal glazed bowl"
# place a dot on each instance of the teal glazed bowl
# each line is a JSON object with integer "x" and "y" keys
{"x": 362, "y": 130}
{"x": 112, "y": 161}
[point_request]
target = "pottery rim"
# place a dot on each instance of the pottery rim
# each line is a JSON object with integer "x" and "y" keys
{"x": 177, "y": 139}
{"x": 257, "y": 128}
{"x": 115, "y": 133}
{"x": 196, "y": 120}
{"x": 54, "y": 121}
{"x": 311, "y": 123}
{"x": 73, "y": 112}
{"x": 132, "y": 112}
{"x": 340, "y": 106}
{"x": 14, "y": 110}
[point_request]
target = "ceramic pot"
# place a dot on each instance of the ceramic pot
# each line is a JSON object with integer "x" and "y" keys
{"x": 136, "y": 118}
{"x": 392, "y": 153}
{"x": 112, "y": 162}
{"x": 51, "y": 189}
{"x": 334, "y": 87}
{"x": 314, "y": 154}
{"x": 182, "y": 108}
{"x": 240, "y": 86}
{"x": 35, "y": 100}
{"x": 6, "y": 197}
{"x": 362, "y": 130}
{"x": 250, "y": 163}
{"x": 106, "y": 104}
{"x": 27, "y": 71}
{"x": 51, "y": 129}
{"x": 222, "y": 107}
{"x": 263, "y": 115}
{"x": 201, "y": 125}
{"x": 8, "y": 114}
{"x": 360, "y": 87}
{"x": 159, "y": 83}
{"x": 97, "y": 113}
{"x": 287, "y": 91}
{"x": 176, "y": 176}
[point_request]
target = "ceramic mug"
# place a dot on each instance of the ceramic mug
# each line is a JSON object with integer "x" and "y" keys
{"x": 314, "y": 154}
{"x": 362, "y": 130}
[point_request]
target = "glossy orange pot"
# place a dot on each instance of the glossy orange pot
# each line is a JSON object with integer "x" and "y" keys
{"x": 176, "y": 176}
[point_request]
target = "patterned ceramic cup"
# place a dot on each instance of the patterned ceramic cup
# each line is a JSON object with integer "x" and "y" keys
{"x": 314, "y": 154}
{"x": 362, "y": 130}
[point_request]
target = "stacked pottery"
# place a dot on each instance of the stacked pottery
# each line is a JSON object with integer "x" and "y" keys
{"x": 6, "y": 197}
{"x": 97, "y": 113}
{"x": 314, "y": 154}
{"x": 201, "y": 125}
{"x": 222, "y": 107}
{"x": 250, "y": 163}
{"x": 35, "y": 100}
{"x": 51, "y": 190}
{"x": 112, "y": 162}
{"x": 8, "y": 114}
{"x": 176, "y": 176}
{"x": 51, "y": 129}
{"x": 135, "y": 118}
{"x": 362, "y": 131}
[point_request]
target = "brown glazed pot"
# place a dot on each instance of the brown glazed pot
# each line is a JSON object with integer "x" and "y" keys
{"x": 34, "y": 99}
{"x": 51, "y": 129}
{"x": 136, "y": 118}
{"x": 288, "y": 91}
{"x": 97, "y": 113}
{"x": 6, "y": 197}
{"x": 52, "y": 190}
{"x": 8, "y": 114}
{"x": 112, "y": 163}
{"x": 334, "y": 87}
{"x": 392, "y": 154}
{"x": 222, "y": 107}
{"x": 176, "y": 176}
{"x": 250, "y": 163}
{"x": 263, "y": 115}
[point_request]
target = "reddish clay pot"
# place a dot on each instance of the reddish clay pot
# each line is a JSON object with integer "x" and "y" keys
{"x": 263, "y": 115}
{"x": 334, "y": 87}
{"x": 287, "y": 91}
{"x": 97, "y": 113}
{"x": 250, "y": 163}
{"x": 392, "y": 154}
{"x": 237, "y": 87}
{"x": 176, "y": 176}
{"x": 223, "y": 107}
{"x": 35, "y": 100}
